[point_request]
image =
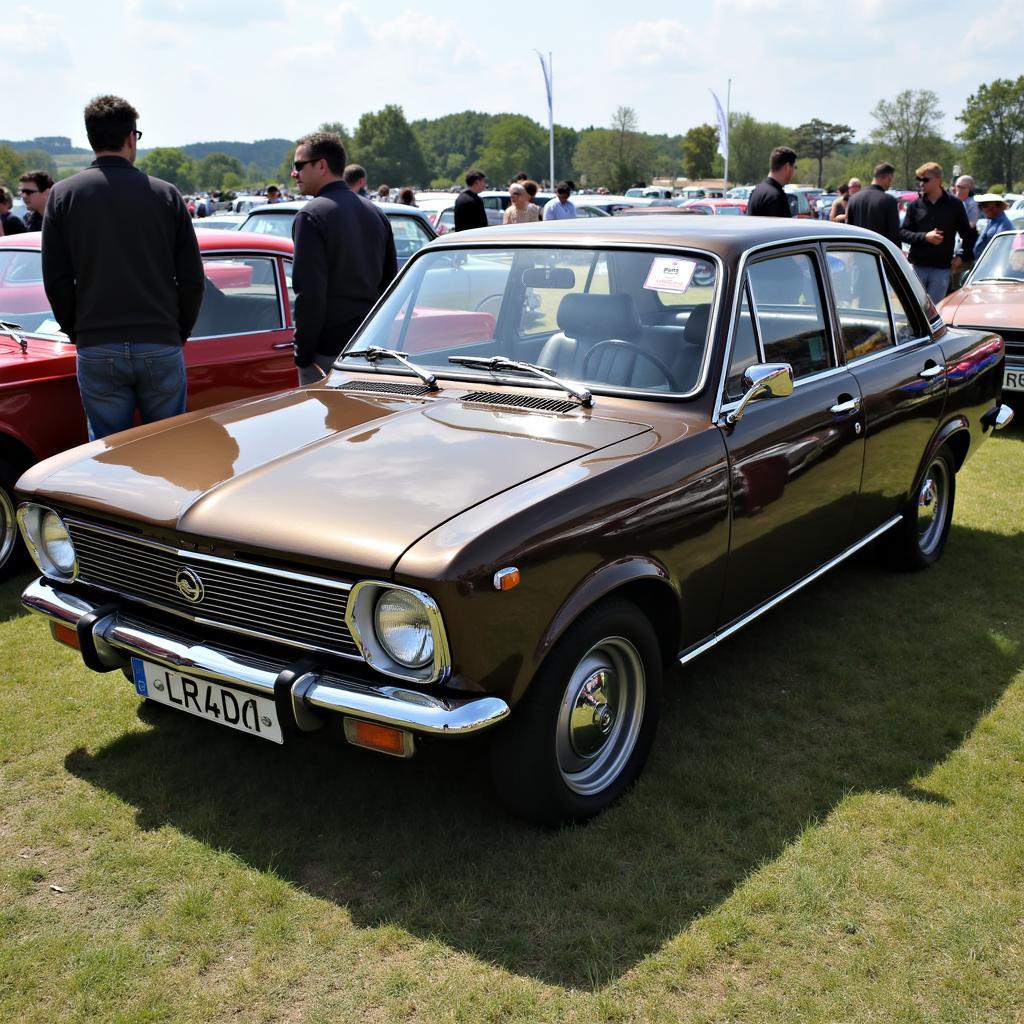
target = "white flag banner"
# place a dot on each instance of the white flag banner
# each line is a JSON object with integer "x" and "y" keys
{"x": 723, "y": 127}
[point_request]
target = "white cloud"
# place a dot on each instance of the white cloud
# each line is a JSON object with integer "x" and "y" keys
{"x": 663, "y": 45}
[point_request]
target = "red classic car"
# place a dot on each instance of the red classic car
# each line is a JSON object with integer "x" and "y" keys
{"x": 241, "y": 346}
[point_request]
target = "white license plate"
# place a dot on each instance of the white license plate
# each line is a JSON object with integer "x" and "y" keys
{"x": 203, "y": 698}
{"x": 1013, "y": 379}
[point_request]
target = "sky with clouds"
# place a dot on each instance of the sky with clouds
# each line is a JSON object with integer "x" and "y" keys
{"x": 201, "y": 70}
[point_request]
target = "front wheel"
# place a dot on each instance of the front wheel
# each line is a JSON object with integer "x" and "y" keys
{"x": 919, "y": 540}
{"x": 12, "y": 551}
{"x": 581, "y": 735}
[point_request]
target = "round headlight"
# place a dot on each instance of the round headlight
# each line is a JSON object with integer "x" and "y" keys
{"x": 403, "y": 628}
{"x": 55, "y": 543}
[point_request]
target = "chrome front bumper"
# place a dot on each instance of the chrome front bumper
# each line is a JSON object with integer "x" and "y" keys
{"x": 307, "y": 693}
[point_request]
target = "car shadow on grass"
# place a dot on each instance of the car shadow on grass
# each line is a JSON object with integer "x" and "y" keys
{"x": 864, "y": 682}
{"x": 10, "y": 595}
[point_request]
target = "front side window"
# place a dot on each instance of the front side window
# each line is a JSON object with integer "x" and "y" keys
{"x": 861, "y": 307}
{"x": 410, "y": 235}
{"x": 620, "y": 319}
{"x": 22, "y": 298}
{"x": 241, "y": 297}
{"x": 788, "y": 306}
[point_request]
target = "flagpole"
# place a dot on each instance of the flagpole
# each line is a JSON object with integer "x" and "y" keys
{"x": 728, "y": 96}
{"x": 549, "y": 86}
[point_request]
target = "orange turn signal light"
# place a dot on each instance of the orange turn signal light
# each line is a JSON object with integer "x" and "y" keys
{"x": 506, "y": 579}
{"x": 65, "y": 635}
{"x": 382, "y": 738}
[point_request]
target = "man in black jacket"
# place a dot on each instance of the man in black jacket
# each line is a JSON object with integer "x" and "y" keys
{"x": 344, "y": 256}
{"x": 930, "y": 226}
{"x": 122, "y": 271}
{"x": 9, "y": 223}
{"x": 769, "y": 198}
{"x": 873, "y": 208}
{"x": 35, "y": 191}
{"x": 469, "y": 207}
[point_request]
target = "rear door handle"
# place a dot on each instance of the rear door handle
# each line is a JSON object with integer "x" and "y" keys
{"x": 283, "y": 344}
{"x": 932, "y": 371}
{"x": 844, "y": 408}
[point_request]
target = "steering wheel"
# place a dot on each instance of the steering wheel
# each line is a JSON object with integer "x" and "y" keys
{"x": 636, "y": 350}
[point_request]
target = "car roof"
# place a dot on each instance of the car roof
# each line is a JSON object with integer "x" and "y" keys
{"x": 729, "y": 237}
{"x": 207, "y": 239}
{"x": 294, "y": 205}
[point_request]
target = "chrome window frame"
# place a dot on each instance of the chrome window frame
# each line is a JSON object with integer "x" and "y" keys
{"x": 275, "y": 258}
{"x": 678, "y": 251}
{"x": 869, "y": 250}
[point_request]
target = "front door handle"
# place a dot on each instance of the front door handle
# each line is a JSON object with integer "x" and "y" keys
{"x": 932, "y": 371}
{"x": 851, "y": 405}
{"x": 283, "y": 344}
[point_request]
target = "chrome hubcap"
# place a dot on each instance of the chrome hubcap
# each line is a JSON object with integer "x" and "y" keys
{"x": 932, "y": 502}
{"x": 600, "y": 716}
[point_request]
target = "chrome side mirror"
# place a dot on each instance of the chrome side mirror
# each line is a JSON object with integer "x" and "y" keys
{"x": 770, "y": 380}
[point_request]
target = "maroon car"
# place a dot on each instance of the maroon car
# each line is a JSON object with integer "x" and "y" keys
{"x": 511, "y": 519}
{"x": 241, "y": 347}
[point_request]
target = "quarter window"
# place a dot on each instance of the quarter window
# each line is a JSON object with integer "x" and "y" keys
{"x": 788, "y": 306}
{"x": 859, "y": 291}
{"x": 241, "y": 297}
{"x": 901, "y": 319}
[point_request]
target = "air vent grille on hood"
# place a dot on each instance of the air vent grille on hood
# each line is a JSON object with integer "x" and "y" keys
{"x": 387, "y": 387}
{"x": 520, "y": 401}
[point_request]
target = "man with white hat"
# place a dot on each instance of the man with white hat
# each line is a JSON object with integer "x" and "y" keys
{"x": 994, "y": 208}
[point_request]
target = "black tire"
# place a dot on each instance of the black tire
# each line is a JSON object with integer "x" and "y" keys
{"x": 580, "y": 737}
{"x": 13, "y": 556}
{"x": 919, "y": 540}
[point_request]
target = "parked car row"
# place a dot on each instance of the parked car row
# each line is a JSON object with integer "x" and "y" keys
{"x": 508, "y": 514}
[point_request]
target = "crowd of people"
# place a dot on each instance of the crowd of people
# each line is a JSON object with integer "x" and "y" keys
{"x": 939, "y": 226}
{"x": 125, "y": 281}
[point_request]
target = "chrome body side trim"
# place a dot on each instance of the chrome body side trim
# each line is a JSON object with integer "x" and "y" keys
{"x": 733, "y": 627}
{"x": 315, "y": 693}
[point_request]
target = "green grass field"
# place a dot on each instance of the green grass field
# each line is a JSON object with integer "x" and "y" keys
{"x": 831, "y": 829}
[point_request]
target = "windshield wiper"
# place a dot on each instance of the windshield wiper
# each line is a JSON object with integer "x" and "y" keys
{"x": 374, "y": 352}
{"x": 14, "y": 330}
{"x": 495, "y": 363}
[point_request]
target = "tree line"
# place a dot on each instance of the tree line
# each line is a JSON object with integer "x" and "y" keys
{"x": 437, "y": 152}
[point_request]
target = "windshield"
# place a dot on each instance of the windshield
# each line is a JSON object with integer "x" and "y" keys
{"x": 279, "y": 224}
{"x": 611, "y": 319}
{"x": 22, "y": 299}
{"x": 1003, "y": 259}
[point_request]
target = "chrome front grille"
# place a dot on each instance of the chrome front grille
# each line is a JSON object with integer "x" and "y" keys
{"x": 254, "y": 600}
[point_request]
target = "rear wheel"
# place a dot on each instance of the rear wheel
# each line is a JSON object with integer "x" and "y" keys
{"x": 580, "y": 737}
{"x": 919, "y": 540}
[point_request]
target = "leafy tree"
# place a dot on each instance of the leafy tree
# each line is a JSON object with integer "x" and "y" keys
{"x": 39, "y": 160}
{"x": 750, "y": 144}
{"x": 284, "y": 172}
{"x": 388, "y": 148}
{"x": 11, "y": 165}
{"x": 993, "y": 120}
{"x": 616, "y": 156}
{"x": 513, "y": 143}
{"x": 339, "y": 129}
{"x": 451, "y": 145}
{"x": 214, "y": 168}
{"x": 171, "y": 164}
{"x": 907, "y": 125}
{"x": 699, "y": 147}
{"x": 566, "y": 141}
{"x": 819, "y": 139}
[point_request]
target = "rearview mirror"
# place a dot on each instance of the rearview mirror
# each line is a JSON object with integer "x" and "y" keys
{"x": 549, "y": 277}
{"x": 763, "y": 380}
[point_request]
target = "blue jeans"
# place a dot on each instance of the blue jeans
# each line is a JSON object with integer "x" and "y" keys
{"x": 935, "y": 281}
{"x": 116, "y": 378}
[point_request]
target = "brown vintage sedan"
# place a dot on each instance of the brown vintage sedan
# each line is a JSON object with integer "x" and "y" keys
{"x": 992, "y": 299}
{"x": 511, "y": 519}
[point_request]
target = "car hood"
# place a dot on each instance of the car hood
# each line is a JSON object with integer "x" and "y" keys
{"x": 985, "y": 305}
{"x": 16, "y": 364}
{"x": 320, "y": 474}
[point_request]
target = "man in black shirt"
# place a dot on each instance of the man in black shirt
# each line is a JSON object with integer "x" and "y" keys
{"x": 122, "y": 271}
{"x": 9, "y": 222}
{"x": 769, "y": 198}
{"x": 930, "y": 227}
{"x": 469, "y": 207}
{"x": 35, "y": 190}
{"x": 873, "y": 208}
{"x": 344, "y": 256}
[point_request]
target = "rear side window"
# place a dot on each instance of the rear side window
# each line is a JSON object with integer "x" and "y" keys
{"x": 240, "y": 297}
{"x": 788, "y": 306}
{"x": 864, "y": 326}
